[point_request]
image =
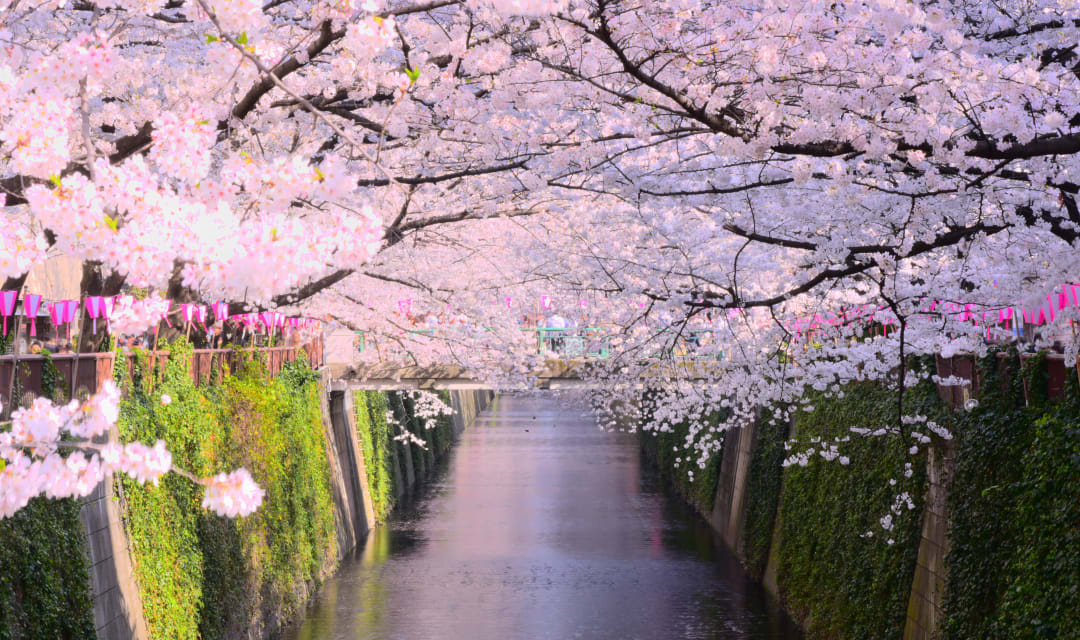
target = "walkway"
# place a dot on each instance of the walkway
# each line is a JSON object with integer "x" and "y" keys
{"x": 541, "y": 526}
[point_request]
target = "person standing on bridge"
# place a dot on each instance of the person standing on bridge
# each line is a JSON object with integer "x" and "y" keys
{"x": 557, "y": 322}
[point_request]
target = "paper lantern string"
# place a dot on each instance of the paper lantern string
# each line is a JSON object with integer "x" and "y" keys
{"x": 221, "y": 311}
{"x": 7, "y": 305}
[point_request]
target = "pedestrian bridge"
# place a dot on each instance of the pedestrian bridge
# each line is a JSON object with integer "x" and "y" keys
{"x": 555, "y": 374}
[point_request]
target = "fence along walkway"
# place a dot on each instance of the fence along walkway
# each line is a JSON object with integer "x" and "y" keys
{"x": 95, "y": 368}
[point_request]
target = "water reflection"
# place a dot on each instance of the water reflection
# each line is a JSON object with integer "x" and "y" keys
{"x": 542, "y": 526}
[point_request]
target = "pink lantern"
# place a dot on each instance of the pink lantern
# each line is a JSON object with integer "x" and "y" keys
{"x": 71, "y": 307}
{"x": 221, "y": 311}
{"x": 56, "y": 313}
{"x": 109, "y": 303}
{"x": 267, "y": 318}
{"x": 199, "y": 314}
{"x": 405, "y": 306}
{"x": 31, "y": 304}
{"x": 165, "y": 305}
{"x": 187, "y": 311}
{"x": 581, "y": 303}
{"x": 508, "y": 301}
{"x": 7, "y": 305}
{"x": 545, "y": 302}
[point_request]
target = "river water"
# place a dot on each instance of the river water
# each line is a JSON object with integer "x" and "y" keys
{"x": 539, "y": 525}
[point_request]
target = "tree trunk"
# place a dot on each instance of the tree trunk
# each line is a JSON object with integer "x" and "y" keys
{"x": 95, "y": 284}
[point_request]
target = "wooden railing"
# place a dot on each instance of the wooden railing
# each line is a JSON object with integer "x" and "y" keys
{"x": 91, "y": 370}
{"x": 965, "y": 367}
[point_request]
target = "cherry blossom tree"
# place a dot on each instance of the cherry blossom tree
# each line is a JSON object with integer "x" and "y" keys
{"x": 775, "y": 173}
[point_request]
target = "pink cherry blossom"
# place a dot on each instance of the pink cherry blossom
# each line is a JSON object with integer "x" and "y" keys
{"x": 232, "y": 494}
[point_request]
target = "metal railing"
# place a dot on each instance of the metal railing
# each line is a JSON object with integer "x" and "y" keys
{"x": 589, "y": 342}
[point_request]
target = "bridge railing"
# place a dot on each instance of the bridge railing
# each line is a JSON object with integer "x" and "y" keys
{"x": 587, "y": 342}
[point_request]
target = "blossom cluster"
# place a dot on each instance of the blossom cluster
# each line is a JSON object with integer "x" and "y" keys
{"x": 20, "y": 249}
{"x": 51, "y": 450}
{"x": 232, "y": 494}
{"x": 131, "y": 317}
{"x": 428, "y": 407}
{"x": 182, "y": 144}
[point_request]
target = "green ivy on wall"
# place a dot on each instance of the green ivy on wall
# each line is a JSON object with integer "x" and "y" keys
{"x": 376, "y": 442}
{"x": 1014, "y": 530}
{"x": 839, "y": 581}
{"x": 403, "y": 418}
{"x": 52, "y": 382}
{"x": 443, "y": 434}
{"x": 764, "y": 481}
{"x": 44, "y": 582}
{"x": 203, "y": 576}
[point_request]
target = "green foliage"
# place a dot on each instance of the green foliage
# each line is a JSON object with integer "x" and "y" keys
{"x": 51, "y": 380}
{"x": 44, "y": 583}
{"x": 423, "y": 458}
{"x": 442, "y": 436}
{"x": 841, "y": 582}
{"x": 203, "y": 576}
{"x": 1014, "y": 530}
{"x": 376, "y": 442}
{"x": 764, "y": 482}
{"x": 383, "y": 456}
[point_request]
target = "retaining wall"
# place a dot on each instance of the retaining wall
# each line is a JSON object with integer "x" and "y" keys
{"x": 925, "y": 606}
{"x": 118, "y": 611}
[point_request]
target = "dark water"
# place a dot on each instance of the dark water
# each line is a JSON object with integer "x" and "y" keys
{"x": 539, "y": 525}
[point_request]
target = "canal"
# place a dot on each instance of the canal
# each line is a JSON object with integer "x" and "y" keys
{"x": 542, "y": 526}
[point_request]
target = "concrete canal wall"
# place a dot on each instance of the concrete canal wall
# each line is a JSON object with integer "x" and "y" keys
{"x": 130, "y": 597}
{"x": 803, "y": 532}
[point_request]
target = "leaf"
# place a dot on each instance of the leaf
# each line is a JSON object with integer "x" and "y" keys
{"x": 211, "y": 38}
{"x": 319, "y": 175}
{"x": 414, "y": 75}
{"x": 242, "y": 38}
{"x": 55, "y": 180}
{"x": 111, "y": 222}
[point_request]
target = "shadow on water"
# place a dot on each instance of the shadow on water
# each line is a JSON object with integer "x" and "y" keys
{"x": 539, "y": 525}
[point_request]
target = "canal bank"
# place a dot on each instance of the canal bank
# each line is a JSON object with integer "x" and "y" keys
{"x": 987, "y": 547}
{"x": 139, "y": 562}
{"x": 539, "y": 525}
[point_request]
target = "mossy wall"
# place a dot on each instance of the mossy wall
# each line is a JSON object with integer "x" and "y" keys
{"x": 1013, "y": 510}
{"x": 199, "y": 575}
{"x": 44, "y": 583}
{"x": 384, "y": 456}
{"x": 1014, "y": 532}
{"x": 376, "y": 442}
{"x": 838, "y": 570}
{"x": 204, "y": 576}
